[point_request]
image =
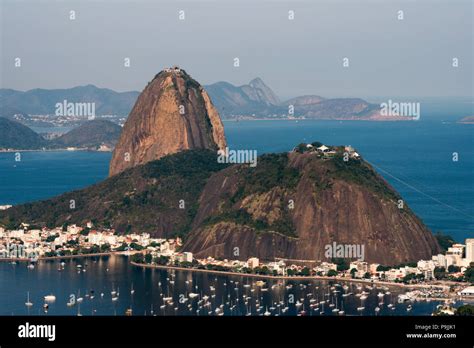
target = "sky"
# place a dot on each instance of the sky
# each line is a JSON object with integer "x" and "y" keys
{"x": 387, "y": 56}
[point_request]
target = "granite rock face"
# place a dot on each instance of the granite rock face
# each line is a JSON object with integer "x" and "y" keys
{"x": 172, "y": 114}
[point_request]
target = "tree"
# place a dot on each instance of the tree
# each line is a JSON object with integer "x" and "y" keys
{"x": 162, "y": 260}
{"x": 332, "y": 273}
{"x": 305, "y": 272}
{"x": 367, "y": 275}
{"x": 342, "y": 264}
{"x": 445, "y": 241}
{"x": 453, "y": 269}
{"x": 148, "y": 258}
{"x": 381, "y": 268}
{"x": 439, "y": 272}
{"x": 353, "y": 272}
{"x": 467, "y": 310}
{"x": 136, "y": 246}
{"x": 105, "y": 248}
{"x": 51, "y": 238}
{"x": 85, "y": 231}
{"x": 469, "y": 274}
{"x": 123, "y": 247}
{"x": 137, "y": 258}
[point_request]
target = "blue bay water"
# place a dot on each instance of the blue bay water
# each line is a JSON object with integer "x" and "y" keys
{"x": 415, "y": 157}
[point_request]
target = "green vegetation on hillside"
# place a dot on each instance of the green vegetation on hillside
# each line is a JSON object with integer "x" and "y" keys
{"x": 363, "y": 174}
{"x": 14, "y": 135}
{"x": 272, "y": 171}
{"x": 444, "y": 241}
{"x": 146, "y": 198}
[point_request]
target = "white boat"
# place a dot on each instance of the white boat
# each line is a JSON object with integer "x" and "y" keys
{"x": 193, "y": 295}
{"x": 50, "y": 298}
{"x": 31, "y": 266}
{"x": 363, "y": 297}
{"x": 132, "y": 291}
{"x": 360, "y": 309}
{"x": 28, "y": 303}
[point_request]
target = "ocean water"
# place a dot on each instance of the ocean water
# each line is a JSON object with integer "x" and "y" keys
{"x": 237, "y": 295}
{"x": 415, "y": 157}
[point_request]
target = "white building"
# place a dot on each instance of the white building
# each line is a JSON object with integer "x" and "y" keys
{"x": 469, "y": 250}
{"x": 74, "y": 229}
{"x": 467, "y": 292}
{"x": 373, "y": 267}
{"x": 187, "y": 256}
{"x": 16, "y": 233}
{"x": 426, "y": 265}
{"x": 360, "y": 266}
{"x": 253, "y": 262}
{"x": 440, "y": 260}
{"x": 325, "y": 267}
{"x": 323, "y": 148}
{"x": 454, "y": 255}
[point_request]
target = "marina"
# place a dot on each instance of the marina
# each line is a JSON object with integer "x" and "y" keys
{"x": 124, "y": 289}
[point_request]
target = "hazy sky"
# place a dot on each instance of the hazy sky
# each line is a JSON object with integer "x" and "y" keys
{"x": 387, "y": 56}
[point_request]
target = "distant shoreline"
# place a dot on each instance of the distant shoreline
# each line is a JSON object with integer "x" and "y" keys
{"x": 388, "y": 119}
{"x": 83, "y": 149}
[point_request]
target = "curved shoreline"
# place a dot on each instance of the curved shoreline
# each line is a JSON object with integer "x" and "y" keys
{"x": 261, "y": 276}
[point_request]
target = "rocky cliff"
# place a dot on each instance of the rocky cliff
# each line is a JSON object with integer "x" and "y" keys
{"x": 293, "y": 205}
{"x": 172, "y": 114}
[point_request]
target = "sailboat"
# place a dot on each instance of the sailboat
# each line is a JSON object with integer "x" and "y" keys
{"x": 79, "y": 298}
{"x": 132, "y": 291}
{"x": 28, "y": 303}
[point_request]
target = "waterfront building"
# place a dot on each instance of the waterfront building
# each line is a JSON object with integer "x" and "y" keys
{"x": 373, "y": 268}
{"x": 467, "y": 292}
{"x": 360, "y": 266}
{"x": 187, "y": 256}
{"x": 325, "y": 267}
{"x": 253, "y": 262}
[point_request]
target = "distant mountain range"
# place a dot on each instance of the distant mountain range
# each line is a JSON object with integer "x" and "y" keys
{"x": 91, "y": 134}
{"x": 252, "y": 101}
{"x": 43, "y": 101}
